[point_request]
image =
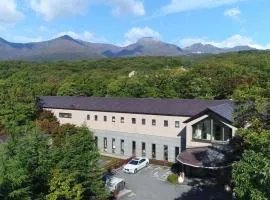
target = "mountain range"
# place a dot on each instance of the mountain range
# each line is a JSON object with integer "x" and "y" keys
{"x": 68, "y": 48}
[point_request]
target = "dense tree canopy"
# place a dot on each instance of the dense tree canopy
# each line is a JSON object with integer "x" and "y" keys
{"x": 40, "y": 166}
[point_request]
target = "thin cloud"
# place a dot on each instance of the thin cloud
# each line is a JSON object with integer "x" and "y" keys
{"x": 188, "y": 5}
{"x": 52, "y": 9}
{"x": 86, "y": 36}
{"x": 136, "y": 33}
{"x": 232, "y": 12}
{"x": 9, "y": 13}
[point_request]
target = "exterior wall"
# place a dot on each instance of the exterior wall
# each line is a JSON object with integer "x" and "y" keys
{"x": 80, "y": 118}
{"x": 138, "y": 138}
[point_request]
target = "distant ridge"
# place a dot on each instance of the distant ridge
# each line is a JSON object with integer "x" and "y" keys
{"x": 68, "y": 48}
{"x": 199, "y": 48}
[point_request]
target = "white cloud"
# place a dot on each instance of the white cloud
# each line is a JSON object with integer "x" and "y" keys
{"x": 9, "y": 14}
{"x": 232, "y": 12}
{"x": 136, "y": 33}
{"x": 124, "y": 7}
{"x": 42, "y": 28}
{"x": 51, "y": 9}
{"x": 188, "y": 5}
{"x": 235, "y": 40}
{"x": 86, "y": 36}
{"x": 24, "y": 39}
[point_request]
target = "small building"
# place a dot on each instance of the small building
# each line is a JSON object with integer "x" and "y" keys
{"x": 156, "y": 128}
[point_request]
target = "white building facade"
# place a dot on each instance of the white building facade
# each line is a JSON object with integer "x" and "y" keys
{"x": 155, "y": 128}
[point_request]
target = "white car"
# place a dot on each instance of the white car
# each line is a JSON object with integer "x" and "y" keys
{"x": 135, "y": 165}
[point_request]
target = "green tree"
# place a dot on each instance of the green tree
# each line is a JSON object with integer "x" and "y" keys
{"x": 251, "y": 175}
{"x": 33, "y": 168}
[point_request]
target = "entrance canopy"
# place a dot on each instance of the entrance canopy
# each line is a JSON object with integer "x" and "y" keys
{"x": 212, "y": 157}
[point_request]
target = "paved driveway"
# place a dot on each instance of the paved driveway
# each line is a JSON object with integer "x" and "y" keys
{"x": 150, "y": 184}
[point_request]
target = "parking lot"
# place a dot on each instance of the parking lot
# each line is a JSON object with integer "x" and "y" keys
{"x": 150, "y": 184}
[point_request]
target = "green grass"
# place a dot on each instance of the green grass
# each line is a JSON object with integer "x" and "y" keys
{"x": 111, "y": 163}
{"x": 173, "y": 178}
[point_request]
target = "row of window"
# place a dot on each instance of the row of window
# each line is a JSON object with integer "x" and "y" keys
{"x": 134, "y": 121}
{"x": 134, "y": 150}
{"x": 122, "y": 120}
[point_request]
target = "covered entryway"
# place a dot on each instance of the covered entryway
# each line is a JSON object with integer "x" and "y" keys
{"x": 209, "y": 161}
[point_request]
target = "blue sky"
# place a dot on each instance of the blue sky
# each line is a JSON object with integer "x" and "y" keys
{"x": 224, "y": 23}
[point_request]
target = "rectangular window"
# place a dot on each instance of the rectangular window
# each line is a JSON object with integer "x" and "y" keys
{"x": 143, "y": 149}
{"x": 133, "y": 120}
{"x": 105, "y": 118}
{"x": 218, "y": 132}
{"x": 202, "y": 130}
{"x": 177, "y": 124}
{"x": 227, "y": 133}
{"x": 105, "y": 144}
{"x": 166, "y": 123}
{"x": 122, "y": 119}
{"x": 122, "y": 145}
{"x": 113, "y": 145}
{"x": 113, "y": 118}
{"x": 96, "y": 117}
{"x": 153, "y": 122}
{"x": 88, "y": 117}
{"x": 176, "y": 151}
{"x": 165, "y": 152}
{"x": 143, "y": 121}
{"x": 65, "y": 115}
{"x": 133, "y": 148}
{"x": 154, "y": 151}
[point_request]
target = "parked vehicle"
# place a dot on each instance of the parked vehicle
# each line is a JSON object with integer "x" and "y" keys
{"x": 135, "y": 165}
{"x": 115, "y": 185}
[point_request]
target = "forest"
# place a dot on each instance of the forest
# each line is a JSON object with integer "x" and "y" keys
{"x": 243, "y": 77}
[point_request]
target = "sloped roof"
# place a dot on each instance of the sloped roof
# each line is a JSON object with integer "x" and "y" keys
{"x": 223, "y": 110}
{"x": 170, "y": 107}
{"x": 212, "y": 157}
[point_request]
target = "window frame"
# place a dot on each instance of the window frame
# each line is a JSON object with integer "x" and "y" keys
{"x": 122, "y": 120}
{"x": 65, "y": 115}
{"x": 143, "y": 121}
{"x": 177, "y": 124}
{"x": 105, "y": 144}
{"x": 166, "y": 123}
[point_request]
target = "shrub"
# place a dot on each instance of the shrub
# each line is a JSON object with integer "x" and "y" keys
{"x": 173, "y": 178}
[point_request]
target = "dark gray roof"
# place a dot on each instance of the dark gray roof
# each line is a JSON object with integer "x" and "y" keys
{"x": 212, "y": 157}
{"x": 173, "y": 107}
{"x": 224, "y": 110}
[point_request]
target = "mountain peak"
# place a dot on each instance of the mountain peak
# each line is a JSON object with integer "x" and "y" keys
{"x": 148, "y": 40}
{"x": 65, "y": 37}
{"x": 3, "y": 40}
